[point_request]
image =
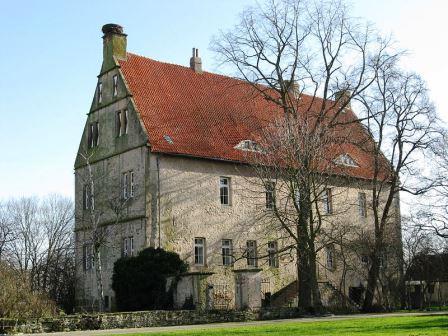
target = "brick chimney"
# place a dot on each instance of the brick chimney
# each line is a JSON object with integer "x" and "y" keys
{"x": 114, "y": 44}
{"x": 342, "y": 96}
{"x": 293, "y": 88}
{"x": 196, "y": 62}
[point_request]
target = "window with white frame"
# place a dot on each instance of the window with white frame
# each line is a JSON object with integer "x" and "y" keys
{"x": 329, "y": 251}
{"x": 88, "y": 201}
{"x": 128, "y": 247}
{"x": 128, "y": 184}
{"x": 270, "y": 195}
{"x": 362, "y": 204}
{"x": 199, "y": 251}
{"x": 227, "y": 252}
{"x": 118, "y": 128}
{"x": 121, "y": 123}
{"x": 251, "y": 253}
{"x": 224, "y": 190}
{"x": 87, "y": 256}
{"x": 100, "y": 92}
{"x": 125, "y": 122}
{"x": 125, "y": 185}
{"x": 115, "y": 86}
{"x": 273, "y": 254}
{"x": 297, "y": 198}
{"x": 327, "y": 200}
{"x": 131, "y": 184}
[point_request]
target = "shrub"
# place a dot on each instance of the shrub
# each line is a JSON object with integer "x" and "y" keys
{"x": 17, "y": 300}
{"x": 140, "y": 282}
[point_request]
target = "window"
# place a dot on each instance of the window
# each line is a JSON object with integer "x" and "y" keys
{"x": 327, "y": 201}
{"x": 115, "y": 89}
{"x": 132, "y": 184}
{"x": 87, "y": 256}
{"x": 329, "y": 251}
{"x": 199, "y": 251}
{"x": 121, "y": 123}
{"x": 270, "y": 195}
{"x": 251, "y": 253}
{"x": 93, "y": 135}
{"x": 273, "y": 254}
{"x": 362, "y": 204}
{"x": 224, "y": 190}
{"x": 100, "y": 92}
{"x": 227, "y": 251}
{"x": 128, "y": 247}
{"x": 88, "y": 201}
{"x": 128, "y": 184}
{"x": 297, "y": 198}
{"x": 345, "y": 160}
{"x": 125, "y": 182}
{"x": 118, "y": 123}
{"x": 248, "y": 145}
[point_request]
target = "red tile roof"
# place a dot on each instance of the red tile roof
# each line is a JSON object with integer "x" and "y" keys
{"x": 206, "y": 115}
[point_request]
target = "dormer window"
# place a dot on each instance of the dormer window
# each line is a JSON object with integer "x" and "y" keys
{"x": 248, "y": 145}
{"x": 168, "y": 139}
{"x": 346, "y": 160}
{"x": 115, "y": 86}
{"x": 100, "y": 92}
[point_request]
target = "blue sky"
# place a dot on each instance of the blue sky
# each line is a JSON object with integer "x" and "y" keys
{"x": 51, "y": 53}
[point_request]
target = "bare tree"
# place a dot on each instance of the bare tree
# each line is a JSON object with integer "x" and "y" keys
{"x": 402, "y": 120}
{"x": 282, "y": 49}
{"x": 6, "y": 231}
{"x": 38, "y": 243}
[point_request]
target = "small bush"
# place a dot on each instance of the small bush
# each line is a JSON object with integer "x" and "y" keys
{"x": 17, "y": 300}
{"x": 140, "y": 282}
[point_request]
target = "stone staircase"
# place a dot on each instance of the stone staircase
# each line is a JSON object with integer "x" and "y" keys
{"x": 286, "y": 296}
{"x": 331, "y": 297}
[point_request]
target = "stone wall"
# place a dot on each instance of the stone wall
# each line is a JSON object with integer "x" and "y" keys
{"x": 154, "y": 318}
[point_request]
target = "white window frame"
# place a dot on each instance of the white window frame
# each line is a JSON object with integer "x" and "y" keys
{"x": 199, "y": 251}
{"x": 327, "y": 200}
{"x": 224, "y": 187}
{"x": 88, "y": 199}
{"x": 100, "y": 92}
{"x": 227, "y": 252}
{"x": 362, "y": 204}
{"x": 125, "y": 185}
{"x": 131, "y": 184}
{"x": 251, "y": 253}
{"x": 118, "y": 124}
{"x": 125, "y": 121}
{"x": 87, "y": 256}
{"x": 273, "y": 254}
{"x": 329, "y": 260}
{"x": 270, "y": 195}
{"x": 128, "y": 246}
{"x": 115, "y": 85}
{"x": 131, "y": 245}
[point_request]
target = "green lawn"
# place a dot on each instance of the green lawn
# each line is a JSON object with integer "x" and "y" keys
{"x": 397, "y": 326}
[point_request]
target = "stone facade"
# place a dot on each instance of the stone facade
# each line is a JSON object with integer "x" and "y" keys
{"x": 176, "y": 200}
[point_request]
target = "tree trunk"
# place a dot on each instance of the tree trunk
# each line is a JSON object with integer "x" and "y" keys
{"x": 99, "y": 280}
{"x": 371, "y": 284}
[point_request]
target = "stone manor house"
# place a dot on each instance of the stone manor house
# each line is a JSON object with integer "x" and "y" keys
{"x": 165, "y": 147}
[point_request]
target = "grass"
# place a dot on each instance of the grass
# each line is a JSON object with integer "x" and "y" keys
{"x": 397, "y": 326}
